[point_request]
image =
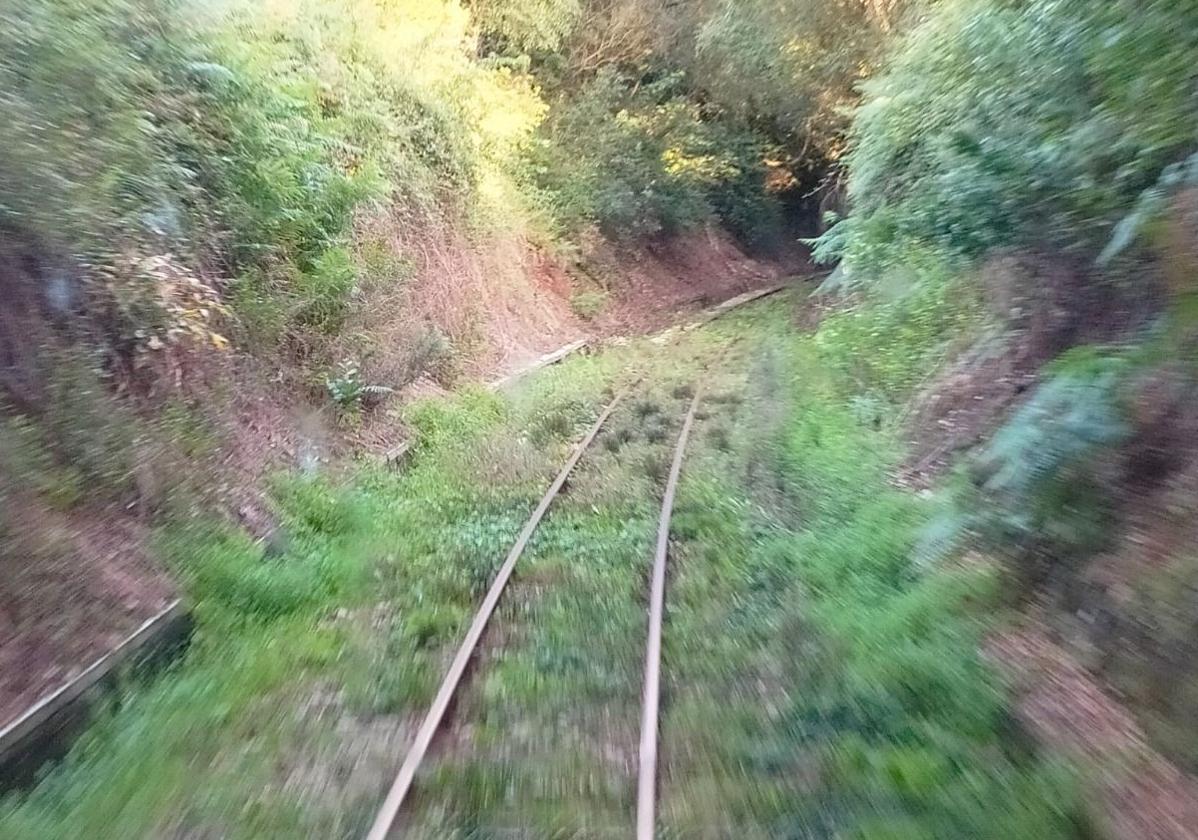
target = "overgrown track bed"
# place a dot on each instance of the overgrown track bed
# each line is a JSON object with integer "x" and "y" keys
{"x": 395, "y": 798}
{"x": 548, "y": 716}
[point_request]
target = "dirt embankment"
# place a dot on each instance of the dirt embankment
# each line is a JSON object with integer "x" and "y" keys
{"x": 1105, "y": 660}
{"x": 77, "y": 580}
{"x": 75, "y": 585}
{"x": 656, "y": 285}
{"x": 501, "y": 303}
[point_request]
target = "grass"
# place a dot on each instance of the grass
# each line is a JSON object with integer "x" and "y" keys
{"x": 818, "y": 683}
{"x": 834, "y": 689}
{"x": 215, "y": 714}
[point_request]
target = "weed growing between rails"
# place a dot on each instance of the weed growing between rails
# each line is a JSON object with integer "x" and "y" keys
{"x": 543, "y": 741}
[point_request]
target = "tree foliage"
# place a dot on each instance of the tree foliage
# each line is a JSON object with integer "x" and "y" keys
{"x": 526, "y": 25}
{"x": 641, "y": 160}
{"x": 794, "y": 64}
{"x": 1024, "y": 124}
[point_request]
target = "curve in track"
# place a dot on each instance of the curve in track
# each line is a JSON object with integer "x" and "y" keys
{"x": 646, "y": 798}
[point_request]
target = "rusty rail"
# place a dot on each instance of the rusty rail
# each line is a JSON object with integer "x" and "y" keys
{"x": 385, "y": 819}
{"x": 646, "y": 794}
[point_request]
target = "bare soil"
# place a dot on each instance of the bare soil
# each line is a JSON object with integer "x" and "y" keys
{"x": 1138, "y": 794}
{"x": 663, "y": 281}
{"x": 75, "y": 586}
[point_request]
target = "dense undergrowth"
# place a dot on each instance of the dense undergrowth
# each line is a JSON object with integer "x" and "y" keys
{"x": 859, "y": 704}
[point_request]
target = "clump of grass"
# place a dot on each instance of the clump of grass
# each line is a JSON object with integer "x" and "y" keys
{"x": 724, "y": 398}
{"x": 616, "y": 440}
{"x": 589, "y": 305}
{"x": 719, "y": 439}
{"x": 559, "y": 423}
{"x": 644, "y": 409}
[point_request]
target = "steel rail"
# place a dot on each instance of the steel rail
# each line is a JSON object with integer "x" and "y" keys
{"x": 385, "y": 819}
{"x": 646, "y": 794}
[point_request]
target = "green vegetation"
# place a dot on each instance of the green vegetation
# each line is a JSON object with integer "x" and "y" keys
{"x": 1035, "y": 125}
{"x": 861, "y": 708}
{"x": 159, "y": 153}
{"x": 793, "y": 567}
{"x": 1056, "y": 129}
{"x": 640, "y": 159}
{"x": 588, "y": 305}
{"x": 181, "y": 180}
{"x": 260, "y": 633}
{"x": 1061, "y": 132}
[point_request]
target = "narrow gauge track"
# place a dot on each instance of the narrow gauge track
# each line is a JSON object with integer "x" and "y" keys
{"x": 386, "y": 818}
{"x": 646, "y": 797}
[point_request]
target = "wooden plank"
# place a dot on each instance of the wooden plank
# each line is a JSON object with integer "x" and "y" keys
{"x": 436, "y": 713}
{"x": 709, "y": 315}
{"x": 544, "y": 361}
{"x": 394, "y": 457}
{"x": 38, "y": 722}
{"x": 646, "y": 795}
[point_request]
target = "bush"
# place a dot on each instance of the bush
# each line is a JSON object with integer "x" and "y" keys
{"x": 1018, "y": 124}
{"x": 1044, "y": 490}
{"x": 347, "y": 389}
{"x": 588, "y": 305}
{"x": 236, "y": 146}
{"x": 885, "y": 348}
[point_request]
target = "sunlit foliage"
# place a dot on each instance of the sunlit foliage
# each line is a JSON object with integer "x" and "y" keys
{"x": 1030, "y": 124}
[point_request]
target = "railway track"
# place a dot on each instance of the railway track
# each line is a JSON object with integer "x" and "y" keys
{"x": 386, "y": 821}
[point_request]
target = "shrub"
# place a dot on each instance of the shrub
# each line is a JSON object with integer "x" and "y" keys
{"x": 1040, "y": 489}
{"x": 522, "y": 25}
{"x": 641, "y": 159}
{"x": 347, "y": 389}
{"x": 887, "y": 346}
{"x": 1001, "y": 124}
{"x": 1043, "y": 489}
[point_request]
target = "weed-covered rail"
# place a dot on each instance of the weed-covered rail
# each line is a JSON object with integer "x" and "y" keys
{"x": 407, "y": 772}
{"x": 647, "y": 773}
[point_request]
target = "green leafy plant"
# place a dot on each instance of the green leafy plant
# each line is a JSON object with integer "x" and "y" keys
{"x": 1016, "y": 124}
{"x": 1038, "y": 489}
{"x": 348, "y": 390}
